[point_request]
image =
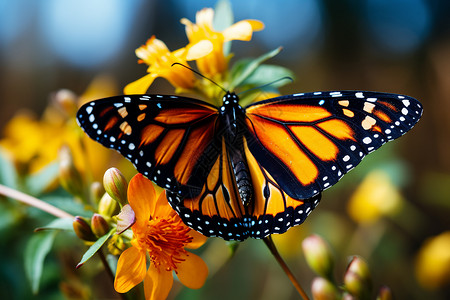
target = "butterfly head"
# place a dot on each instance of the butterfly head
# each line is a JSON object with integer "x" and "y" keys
{"x": 230, "y": 101}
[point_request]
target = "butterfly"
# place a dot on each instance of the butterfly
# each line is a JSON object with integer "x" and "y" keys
{"x": 237, "y": 172}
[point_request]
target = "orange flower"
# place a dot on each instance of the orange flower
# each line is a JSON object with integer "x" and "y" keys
{"x": 216, "y": 62}
{"x": 160, "y": 60}
{"x": 160, "y": 233}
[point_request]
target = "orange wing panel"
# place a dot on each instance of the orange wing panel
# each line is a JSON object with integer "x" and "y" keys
{"x": 278, "y": 141}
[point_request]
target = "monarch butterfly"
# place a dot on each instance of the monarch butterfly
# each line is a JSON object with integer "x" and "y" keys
{"x": 237, "y": 172}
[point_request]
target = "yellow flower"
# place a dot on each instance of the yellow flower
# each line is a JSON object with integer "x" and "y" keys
{"x": 375, "y": 197}
{"x": 159, "y": 233}
{"x": 216, "y": 62}
{"x": 33, "y": 143}
{"x": 433, "y": 262}
{"x": 160, "y": 60}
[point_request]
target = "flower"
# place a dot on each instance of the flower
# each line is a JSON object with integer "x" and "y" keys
{"x": 432, "y": 266}
{"x": 375, "y": 197}
{"x": 216, "y": 62}
{"x": 160, "y": 64}
{"x": 159, "y": 233}
{"x": 33, "y": 143}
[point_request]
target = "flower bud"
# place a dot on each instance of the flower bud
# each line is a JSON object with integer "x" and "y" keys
{"x": 385, "y": 293}
{"x": 69, "y": 176}
{"x": 322, "y": 289}
{"x": 318, "y": 255}
{"x": 99, "y": 225}
{"x": 125, "y": 219}
{"x": 116, "y": 245}
{"x": 107, "y": 206}
{"x": 97, "y": 191}
{"x": 116, "y": 185}
{"x": 357, "y": 279}
{"x": 83, "y": 230}
{"x": 358, "y": 266}
{"x": 67, "y": 101}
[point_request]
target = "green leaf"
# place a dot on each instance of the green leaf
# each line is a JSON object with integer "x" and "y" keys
{"x": 61, "y": 199}
{"x": 269, "y": 74}
{"x": 8, "y": 174}
{"x": 95, "y": 247}
{"x": 36, "y": 250}
{"x": 223, "y": 18}
{"x": 38, "y": 182}
{"x": 244, "y": 68}
{"x": 59, "y": 224}
{"x": 223, "y": 15}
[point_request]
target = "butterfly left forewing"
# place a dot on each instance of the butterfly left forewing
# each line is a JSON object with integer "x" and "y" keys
{"x": 164, "y": 137}
{"x": 307, "y": 142}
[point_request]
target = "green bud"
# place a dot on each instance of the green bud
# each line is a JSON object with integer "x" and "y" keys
{"x": 116, "y": 245}
{"x": 357, "y": 278}
{"x": 99, "y": 225}
{"x": 116, "y": 185}
{"x": 83, "y": 230}
{"x": 385, "y": 293}
{"x": 323, "y": 289}
{"x": 97, "y": 191}
{"x": 69, "y": 176}
{"x": 318, "y": 256}
{"x": 107, "y": 206}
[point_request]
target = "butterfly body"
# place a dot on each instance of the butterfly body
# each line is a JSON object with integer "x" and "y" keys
{"x": 240, "y": 172}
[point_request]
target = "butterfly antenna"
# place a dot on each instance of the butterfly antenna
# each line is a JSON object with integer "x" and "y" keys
{"x": 267, "y": 84}
{"x": 200, "y": 74}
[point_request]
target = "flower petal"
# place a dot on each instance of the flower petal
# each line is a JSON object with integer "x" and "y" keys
{"x": 141, "y": 85}
{"x": 199, "y": 50}
{"x": 198, "y": 239}
{"x": 193, "y": 271}
{"x": 256, "y": 25}
{"x": 241, "y": 31}
{"x": 157, "y": 283}
{"x": 142, "y": 198}
{"x": 162, "y": 207}
{"x": 130, "y": 270}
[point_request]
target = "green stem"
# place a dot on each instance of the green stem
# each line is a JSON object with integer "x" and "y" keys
{"x": 108, "y": 270}
{"x": 269, "y": 243}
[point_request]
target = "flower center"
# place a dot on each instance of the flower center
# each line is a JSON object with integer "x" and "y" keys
{"x": 164, "y": 240}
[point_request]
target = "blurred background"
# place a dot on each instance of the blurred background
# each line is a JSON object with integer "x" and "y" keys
{"x": 398, "y": 46}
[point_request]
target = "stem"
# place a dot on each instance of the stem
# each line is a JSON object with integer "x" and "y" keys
{"x": 110, "y": 273}
{"x": 269, "y": 243}
{"x": 27, "y": 199}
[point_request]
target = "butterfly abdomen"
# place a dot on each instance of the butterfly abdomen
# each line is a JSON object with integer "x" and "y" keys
{"x": 233, "y": 126}
{"x": 243, "y": 179}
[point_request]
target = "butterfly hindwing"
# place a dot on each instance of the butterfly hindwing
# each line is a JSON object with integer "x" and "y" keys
{"x": 163, "y": 136}
{"x": 307, "y": 142}
{"x": 219, "y": 211}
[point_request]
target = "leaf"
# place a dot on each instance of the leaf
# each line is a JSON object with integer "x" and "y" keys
{"x": 38, "y": 182}
{"x": 244, "y": 68}
{"x": 58, "y": 224}
{"x": 62, "y": 200}
{"x": 36, "y": 250}
{"x": 223, "y": 18}
{"x": 269, "y": 74}
{"x": 8, "y": 174}
{"x": 94, "y": 248}
{"x": 223, "y": 15}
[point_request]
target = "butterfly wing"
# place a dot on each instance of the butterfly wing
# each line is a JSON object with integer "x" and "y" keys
{"x": 169, "y": 139}
{"x": 219, "y": 211}
{"x": 307, "y": 142}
